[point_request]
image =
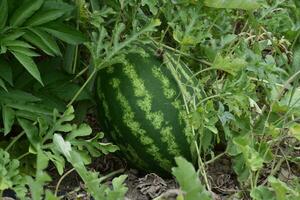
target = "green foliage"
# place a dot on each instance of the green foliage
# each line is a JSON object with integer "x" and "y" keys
{"x": 35, "y": 23}
{"x": 189, "y": 181}
{"x": 244, "y": 56}
{"x": 10, "y": 175}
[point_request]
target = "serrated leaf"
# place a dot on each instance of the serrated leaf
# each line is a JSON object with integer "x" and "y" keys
{"x": 229, "y": 65}
{"x": 3, "y": 13}
{"x": 82, "y": 130}
{"x": 47, "y": 39}
{"x": 29, "y": 65}
{"x": 189, "y": 181}
{"x": 26, "y": 10}
{"x": 119, "y": 189}
{"x": 45, "y": 16}
{"x": 65, "y": 33}
{"x": 233, "y": 4}
{"x": 6, "y": 71}
{"x": 8, "y": 116}
{"x": 37, "y": 41}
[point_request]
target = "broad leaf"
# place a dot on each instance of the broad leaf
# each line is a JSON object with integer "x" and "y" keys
{"x": 233, "y": 4}
{"x": 2, "y": 85}
{"x": 3, "y": 13}
{"x": 26, "y": 10}
{"x": 31, "y": 132}
{"x": 119, "y": 189}
{"x": 17, "y": 43}
{"x": 14, "y": 35}
{"x": 44, "y": 16}
{"x": 295, "y": 130}
{"x": 189, "y": 181}
{"x": 229, "y": 65}
{"x": 47, "y": 39}
{"x": 37, "y": 41}
{"x": 8, "y": 116}
{"x": 29, "y": 65}
{"x": 24, "y": 51}
{"x": 65, "y": 33}
{"x": 6, "y": 71}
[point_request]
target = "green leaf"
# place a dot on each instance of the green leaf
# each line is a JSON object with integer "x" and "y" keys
{"x": 29, "y": 65}
{"x": 3, "y": 13}
{"x": 295, "y": 131}
{"x": 6, "y": 71}
{"x": 17, "y": 43}
{"x": 37, "y": 41}
{"x": 45, "y": 16}
{"x": 189, "y": 181}
{"x": 47, "y": 39}
{"x": 24, "y": 51}
{"x": 8, "y": 116}
{"x": 31, "y": 132}
{"x": 63, "y": 146}
{"x": 26, "y": 10}
{"x": 41, "y": 177}
{"x": 233, "y": 4}
{"x": 281, "y": 189}
{"x": 65, "y": 33}
{"x": 14, "y": 35}
{"x": 262, "y": 193}
{"x": 119, "y": 189}
{"x": 2, "y": 84}
{"x": 82, "y": 130}
{"x": 229, "y": 65}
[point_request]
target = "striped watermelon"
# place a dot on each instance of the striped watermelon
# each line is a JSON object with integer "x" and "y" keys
{"x": 141, "y": 107}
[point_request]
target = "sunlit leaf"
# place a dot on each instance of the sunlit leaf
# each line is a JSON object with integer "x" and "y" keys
{"x": 189, "y": 180}
{"x": 233, "y": 4}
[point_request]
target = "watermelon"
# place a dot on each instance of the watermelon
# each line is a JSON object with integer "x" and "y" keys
{"x": 142, "y": 109}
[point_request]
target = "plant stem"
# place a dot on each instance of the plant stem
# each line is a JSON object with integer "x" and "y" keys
{"x": 82, "y": 87}
{"x": 61, "y": 179}
{"x": 14, "y": 141}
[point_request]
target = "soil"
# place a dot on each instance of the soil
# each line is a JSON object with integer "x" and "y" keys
{"x": 142, "y": 186}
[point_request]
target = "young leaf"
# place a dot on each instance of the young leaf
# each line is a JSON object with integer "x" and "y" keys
{"x": 233, "y": 4}
{"x": 29, "y": 65}
{"x": 8, "y": 116}
{"x": 119, "y": 189}
{"x": 65, "y": 33}
{"x": 3, "y": 13}
{"x": 6, "y": 71}
{"x": 189, "y": 181}
{"x": 45, "y": 16}
{"x": 26, "y": 10}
